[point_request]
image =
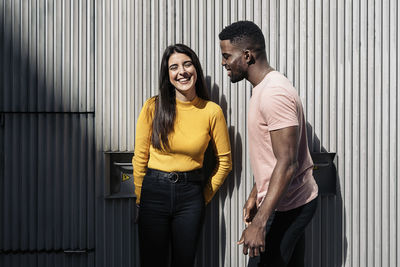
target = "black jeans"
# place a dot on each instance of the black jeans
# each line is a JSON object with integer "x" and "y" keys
{"x": 285, "y": 239}
{"x": 170, "y": 220}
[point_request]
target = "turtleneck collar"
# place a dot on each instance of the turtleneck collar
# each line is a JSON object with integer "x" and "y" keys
{"x": 187, "y": 105}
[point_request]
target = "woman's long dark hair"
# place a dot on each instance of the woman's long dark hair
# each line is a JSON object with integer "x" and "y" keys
{"x": 165, "y": 104}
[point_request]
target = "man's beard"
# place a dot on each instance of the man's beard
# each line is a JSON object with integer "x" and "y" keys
{"x": 237, "y": 77}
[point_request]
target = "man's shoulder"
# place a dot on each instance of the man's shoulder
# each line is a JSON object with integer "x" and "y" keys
{"x": 278, "y": 81}
{"x": 278, "y": 85}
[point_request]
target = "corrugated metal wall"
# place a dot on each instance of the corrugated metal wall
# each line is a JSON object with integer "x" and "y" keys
{"x": 103, "y": 57}
{"x": 46, "y": 56}
{"x": 116, "y": 243}
{"x": 47, "y": 124}
{"x": 343, "y": 58}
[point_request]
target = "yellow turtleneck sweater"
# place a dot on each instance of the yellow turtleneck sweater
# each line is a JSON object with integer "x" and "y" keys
{"x": 196, "y": 123}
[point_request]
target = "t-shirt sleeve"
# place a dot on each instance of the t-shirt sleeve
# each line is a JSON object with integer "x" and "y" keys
{"x": 279, "y": 110}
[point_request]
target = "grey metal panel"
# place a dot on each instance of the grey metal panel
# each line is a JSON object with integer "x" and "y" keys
{"x": 149, "y": 40}
{"x": 342, "y": 56}
{"x": 118, "y": 77}
{"x": 47, "y": 185}
{"x": 45, "y": 57}
{"x": 47, "y": 167}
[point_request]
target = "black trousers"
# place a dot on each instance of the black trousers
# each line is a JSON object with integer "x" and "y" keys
{"x": 170, "y": 220}
{"x": 285, "y": 239}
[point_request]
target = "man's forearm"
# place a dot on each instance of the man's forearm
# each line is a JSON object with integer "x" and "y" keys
{"x": 280, "y": 181}
{"x": 253, "y": 193}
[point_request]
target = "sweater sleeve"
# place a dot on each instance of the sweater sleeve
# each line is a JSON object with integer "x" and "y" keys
{"x": 222, "y": 149}
{"x": 142, "y": 145}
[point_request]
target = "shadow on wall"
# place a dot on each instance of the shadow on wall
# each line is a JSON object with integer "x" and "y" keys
{"x": 326, "y": 243}
{"x": 46, "y": 159}
{"x": 213, "y": 243}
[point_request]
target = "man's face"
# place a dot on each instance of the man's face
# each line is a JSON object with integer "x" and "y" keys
{"x": 234, "y": 61}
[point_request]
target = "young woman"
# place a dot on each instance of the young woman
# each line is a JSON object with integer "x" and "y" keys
{"x": 172, "y": 134}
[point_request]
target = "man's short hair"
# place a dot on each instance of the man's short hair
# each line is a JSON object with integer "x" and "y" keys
{"x": 245, "y": 34}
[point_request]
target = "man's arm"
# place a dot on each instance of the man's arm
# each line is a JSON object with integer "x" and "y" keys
{"x": 250, "y": 207}
{"x": 285, "y": 147}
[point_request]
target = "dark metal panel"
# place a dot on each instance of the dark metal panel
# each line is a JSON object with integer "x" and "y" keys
{"x": 47, "y": 182}
{"x": 47, "y": 260}
{"x": 118, "y": 239}
{"x": 46, "y": 61}
{"x": 2, "y": 208}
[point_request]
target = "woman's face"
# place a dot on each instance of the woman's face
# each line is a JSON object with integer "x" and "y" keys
{"x": 182, "y": 73}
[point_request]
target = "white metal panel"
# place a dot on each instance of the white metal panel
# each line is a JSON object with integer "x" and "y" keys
{"x": 392, "y": 129}
{"x": 342, "y": 56}
{"x": 363, "y": 117}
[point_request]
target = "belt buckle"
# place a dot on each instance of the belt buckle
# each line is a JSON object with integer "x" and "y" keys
{"x": 173, "y": 177}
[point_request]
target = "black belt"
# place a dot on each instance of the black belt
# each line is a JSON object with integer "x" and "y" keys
{"x": 176, "y": 177}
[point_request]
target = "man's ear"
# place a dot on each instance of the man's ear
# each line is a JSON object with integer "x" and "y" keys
{"x": 249, "y": 57}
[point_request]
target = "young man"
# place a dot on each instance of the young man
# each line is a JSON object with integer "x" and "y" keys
{"x": 283, "y": 199}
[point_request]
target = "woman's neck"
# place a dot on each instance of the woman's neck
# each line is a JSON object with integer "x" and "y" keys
{"x": 185, "y": 96}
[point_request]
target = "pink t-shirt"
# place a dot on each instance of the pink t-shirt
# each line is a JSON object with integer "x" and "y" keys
{"x": 274, "y": 105}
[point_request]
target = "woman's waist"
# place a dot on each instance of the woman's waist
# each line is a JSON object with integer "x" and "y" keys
{"x": 176, "y": 176}
{"x": 176, "y": 163}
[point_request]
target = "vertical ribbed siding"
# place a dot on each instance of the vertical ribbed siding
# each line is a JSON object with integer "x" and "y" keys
{"x": 47, "y": 260}
{"x": 119, "y": 75}
{"x": 47, "y": 183}
{"x": 46, "y": 133}
{"x": 342, "y": 57}
{"x": 46, "y": 56}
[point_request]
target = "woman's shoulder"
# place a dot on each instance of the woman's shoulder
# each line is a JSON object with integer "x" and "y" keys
{"x": 148, "y": 107}
{"x": 209, "y": 104}
{"x": 150, "y": 102}
{"x": 212, "y": 107}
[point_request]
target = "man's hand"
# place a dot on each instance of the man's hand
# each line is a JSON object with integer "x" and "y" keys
{"x": 249, "y": 210}
{"x": 284, "y": 143}
{"x": 253, "y": 239}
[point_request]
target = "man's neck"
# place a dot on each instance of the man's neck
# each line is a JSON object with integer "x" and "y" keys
{"x": 257, "y": 72}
